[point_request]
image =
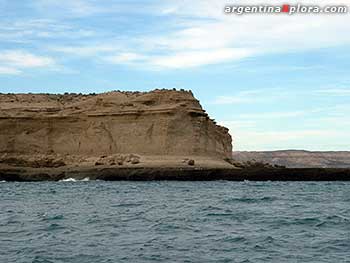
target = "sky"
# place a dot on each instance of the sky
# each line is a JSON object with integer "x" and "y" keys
{"x": 276, "y": 81}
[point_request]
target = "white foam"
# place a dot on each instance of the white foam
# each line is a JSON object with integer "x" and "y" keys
{"x": 75, "y": 180}
{"x": 68, "y": 180}
{"x": 3, "y": 181}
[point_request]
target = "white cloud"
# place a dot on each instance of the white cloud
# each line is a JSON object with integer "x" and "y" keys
{"x": 93, "y": 50}
{"x": 174, "y": 60}
{"x": 198, "y": 33}
{"x": 335, "y": 91}
{"x": 251, "y": 96}
{"x": 198, "y": 58}
{"x": 31, "y": 30}
{"x": 273, "y": 115}
{"x": 9, "y": 71}
{"x": 87, "y": 8}
{"x": 222, "y": 100}
{"x": 207, "y": 30}
{"x": 268, "y": 95}
{"x": 13, "y": 61}
{"x": 23, "y": 59}
{"x": 70, "y": 8}
{"x": 126, "y": 57}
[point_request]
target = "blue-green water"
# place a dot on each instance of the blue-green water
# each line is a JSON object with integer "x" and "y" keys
{"x": 167, "y": 221}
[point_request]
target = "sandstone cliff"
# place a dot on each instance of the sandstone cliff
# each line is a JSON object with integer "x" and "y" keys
{"x": 157, "y": 123}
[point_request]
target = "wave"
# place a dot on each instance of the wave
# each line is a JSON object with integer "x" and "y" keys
{"x": 251, "y": 199}
{"x": 86, "y": 179}
{"x": 3, "y": 181}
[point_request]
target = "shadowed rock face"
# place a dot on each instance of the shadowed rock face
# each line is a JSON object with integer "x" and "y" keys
{"x": 160, "y": 122}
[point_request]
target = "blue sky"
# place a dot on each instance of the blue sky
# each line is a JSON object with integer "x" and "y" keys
{"x": 276, "y": 81}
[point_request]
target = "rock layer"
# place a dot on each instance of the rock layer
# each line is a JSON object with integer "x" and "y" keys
{"x": 160, "y": 122}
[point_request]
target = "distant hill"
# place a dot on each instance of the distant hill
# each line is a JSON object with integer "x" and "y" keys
{"x": 297, "y": 158}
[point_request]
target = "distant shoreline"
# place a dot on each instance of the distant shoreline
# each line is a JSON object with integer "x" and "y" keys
{"x": 297, "y": 158}
{"x": 22, "y": 174}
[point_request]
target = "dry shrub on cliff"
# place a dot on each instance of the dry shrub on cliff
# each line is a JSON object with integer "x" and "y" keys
{"x": 190, "y": 162}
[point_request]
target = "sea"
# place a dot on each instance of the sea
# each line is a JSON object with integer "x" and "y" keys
{"x": 172, "y": 221}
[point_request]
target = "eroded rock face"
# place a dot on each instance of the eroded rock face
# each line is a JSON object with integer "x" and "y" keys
{"x": 160, "y": 122}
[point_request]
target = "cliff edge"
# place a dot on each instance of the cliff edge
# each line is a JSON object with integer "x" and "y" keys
{"x": 157, "y": 128}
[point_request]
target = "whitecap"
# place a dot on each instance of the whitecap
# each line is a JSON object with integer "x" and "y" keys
{"x": 3, "y": 181}
{"x": 68, "y": 180}
{"x": 86, "y": 179}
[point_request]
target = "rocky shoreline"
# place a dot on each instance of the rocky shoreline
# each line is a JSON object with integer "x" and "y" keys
{"x": 156, "y": 135}
{"x": 22, "y": 174}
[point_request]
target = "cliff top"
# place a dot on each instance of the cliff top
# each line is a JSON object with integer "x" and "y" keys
{"x": 114, "y": 102}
